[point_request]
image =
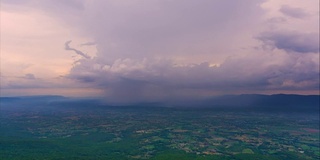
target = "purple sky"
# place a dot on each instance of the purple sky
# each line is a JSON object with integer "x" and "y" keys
{"x": 153, "y": 50}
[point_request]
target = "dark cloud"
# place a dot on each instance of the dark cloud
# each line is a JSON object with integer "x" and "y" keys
{"x": 292, "y": 41}
{"x": 138, "y": 80}
{"x": 67, "y": 47}
{"x": 293, "y": 12}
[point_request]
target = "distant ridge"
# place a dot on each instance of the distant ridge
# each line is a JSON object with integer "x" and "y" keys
{"x": 265, "y": 102}
{"x": 32, "y": 96}
{"x": 244, "y": 102}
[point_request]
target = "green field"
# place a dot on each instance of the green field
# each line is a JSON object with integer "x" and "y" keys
{"x": 155, "y": 133}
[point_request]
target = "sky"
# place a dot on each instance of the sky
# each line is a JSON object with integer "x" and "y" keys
{"x": 158, "y": 50}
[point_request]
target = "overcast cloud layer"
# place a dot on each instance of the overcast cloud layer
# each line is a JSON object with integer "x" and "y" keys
{"x": 163, "y": 50}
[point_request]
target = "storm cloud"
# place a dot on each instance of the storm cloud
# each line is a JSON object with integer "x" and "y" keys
{"x": 153, "y": 50}
{"x": 150, "y": 79}
{"x": 292, "y": 41}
